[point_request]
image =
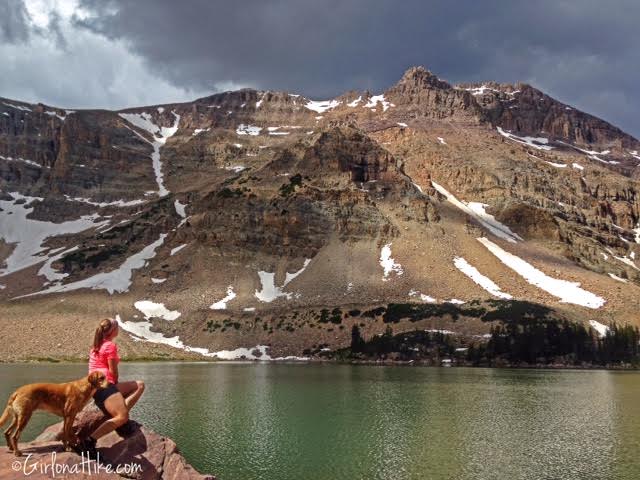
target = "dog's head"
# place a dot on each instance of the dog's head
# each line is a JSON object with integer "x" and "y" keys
{"x": 97, "y": 379}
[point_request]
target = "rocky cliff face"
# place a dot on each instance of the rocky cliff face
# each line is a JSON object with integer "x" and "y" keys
{"x": 525, "y": 109}
{"x": 237, "y": 209}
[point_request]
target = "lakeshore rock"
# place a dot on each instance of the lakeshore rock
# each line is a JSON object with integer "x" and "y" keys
{"x": 146, "y": 454}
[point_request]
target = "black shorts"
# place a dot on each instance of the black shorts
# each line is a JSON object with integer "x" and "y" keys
{"x": 102, "y": 394}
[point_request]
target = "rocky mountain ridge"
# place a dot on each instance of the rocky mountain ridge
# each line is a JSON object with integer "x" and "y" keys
{"x": 242, "y": 208}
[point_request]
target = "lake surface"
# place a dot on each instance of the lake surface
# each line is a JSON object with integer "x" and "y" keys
{"x": 283, "y": 421}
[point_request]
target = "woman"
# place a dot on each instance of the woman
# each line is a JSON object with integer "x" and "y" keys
{"x": 118, "y": 398}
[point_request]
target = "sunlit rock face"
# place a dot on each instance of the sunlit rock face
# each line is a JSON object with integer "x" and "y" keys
{"x": 176, "y": 204}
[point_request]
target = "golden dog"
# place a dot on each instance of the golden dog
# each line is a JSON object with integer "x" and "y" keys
{"x": 62, "y": 399}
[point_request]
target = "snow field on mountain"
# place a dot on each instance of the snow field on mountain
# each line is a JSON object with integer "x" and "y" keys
{"x": 270, "y": 291}
{"x": 566, "y": 291}
{"x": 141, "y": 331}
{"x": 321, "y": 106}
{"x": 375, "y": 99}
{"x": 160, "y": 135}
{"x": 28, "y": 235}
{"x": 115, "y": 281}
{"x": 536, "y": 142}
{"x": 478, "y": 278}
{"x": 477, "y": 211}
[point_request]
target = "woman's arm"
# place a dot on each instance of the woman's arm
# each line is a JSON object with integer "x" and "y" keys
{"x": 113, "y": 368}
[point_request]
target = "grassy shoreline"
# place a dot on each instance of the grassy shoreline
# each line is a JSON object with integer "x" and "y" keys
{"x": 337, "y": 361}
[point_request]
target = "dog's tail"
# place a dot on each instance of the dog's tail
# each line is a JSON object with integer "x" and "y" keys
{"x": 7, "y": 411}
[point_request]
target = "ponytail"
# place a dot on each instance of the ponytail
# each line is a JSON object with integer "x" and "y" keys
{"x": 104, "y": 328}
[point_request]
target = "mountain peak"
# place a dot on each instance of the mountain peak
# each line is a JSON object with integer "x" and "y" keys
{"x": 420, "y": 77}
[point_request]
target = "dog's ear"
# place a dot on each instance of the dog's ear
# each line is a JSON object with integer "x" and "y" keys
{"x": 95, "y": 378}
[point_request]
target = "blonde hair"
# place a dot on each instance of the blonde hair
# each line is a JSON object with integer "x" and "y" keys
{"x": 105, "y": 327}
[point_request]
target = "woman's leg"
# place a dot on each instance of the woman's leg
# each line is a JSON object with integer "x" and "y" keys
{"x": 119, "y": 412}
{"x": 131, "y": 391}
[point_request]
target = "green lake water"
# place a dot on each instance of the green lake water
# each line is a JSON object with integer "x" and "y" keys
{"x": 288, "y": 421}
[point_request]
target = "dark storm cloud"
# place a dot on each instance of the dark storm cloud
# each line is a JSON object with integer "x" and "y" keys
{"x": 585, "y": 53}
{"x": 13, "y": 21}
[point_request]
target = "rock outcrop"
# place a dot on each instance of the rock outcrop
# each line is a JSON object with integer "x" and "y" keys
{"x": 139, "y": 454}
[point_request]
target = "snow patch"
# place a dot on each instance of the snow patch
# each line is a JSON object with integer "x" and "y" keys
{"x": 619, "y": 279}
{"x": 222, "y": 304}
{"x": 118, "y": 280}
{"x": 177, "y": 249}
{"x": 17, "y": 107}
{"x": 141, "y": 331}
{"x": 269, "y": 291}
{"x": 28, "y": 235}
{"x": 117, "y": 203}
{"x": 627, "y": 259}
{"x": 566, "y": 291}
{"x": 592, "y": 154}
{"x": 47, "y": 269}
{"x": 156, "y": 310}
{"x": 248, "y": 130}
{"x": 158, "y": 280}
{"x": 144, "y": 121}
{"x": 423, "y": 297}
{"x": 22, "y": 160}
{"x": 455, "y": 301}
{"x": 441, "y": 140}
{"x": 56, "y": 114}
{"x": 557, "y": 165}
{"x": 485, "y": 282}
{"x": 388, "y": 264}
{"x": 577, "y": 166}
{"x": 198, "y": 131}
{"x": 443, "y": 332}
{"x": 536, "y": 142}
{"x": 180, "y": 208}
{"x": 477, "y": 211}
{"x": 599, "y": 327}
{"x": 235, "y": 168}
{"x": 481, "y": 90}
{"x": 374, "y": 100}
{"x": 402, "y": 124}
{"x": 355, "y": 102}
{"x": 321, "y": 106}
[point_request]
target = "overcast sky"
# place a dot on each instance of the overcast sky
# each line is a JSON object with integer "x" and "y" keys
{"x": 120, "y": 53}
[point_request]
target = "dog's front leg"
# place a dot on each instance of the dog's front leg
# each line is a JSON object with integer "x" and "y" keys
{"x": 67, "y": 430}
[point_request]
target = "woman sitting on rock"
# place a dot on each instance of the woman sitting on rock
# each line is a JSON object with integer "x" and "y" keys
{"x": 118, "y": 398}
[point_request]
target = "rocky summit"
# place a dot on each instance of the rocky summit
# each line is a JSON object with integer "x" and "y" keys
{"x": 264, "y": 225}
